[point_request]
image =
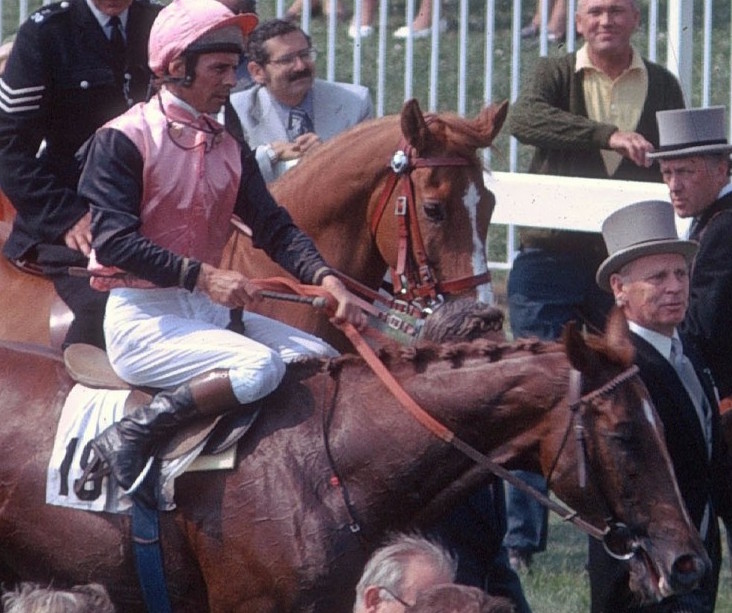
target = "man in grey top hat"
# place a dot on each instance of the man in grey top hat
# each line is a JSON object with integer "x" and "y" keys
{"x": 695, "y": 164}
{"x": 647, "y": 273}
{"x": 589, "y": 113}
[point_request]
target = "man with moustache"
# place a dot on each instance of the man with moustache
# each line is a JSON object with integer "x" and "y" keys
{"x": 74, "y": 65}
{"x": 647, "y": 272}
{"x": 288, "y": 111}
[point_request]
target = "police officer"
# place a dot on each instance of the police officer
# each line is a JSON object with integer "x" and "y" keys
{"x": 74, "y": 65}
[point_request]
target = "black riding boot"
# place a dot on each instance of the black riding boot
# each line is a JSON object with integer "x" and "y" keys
{"x": 127, "y": 444}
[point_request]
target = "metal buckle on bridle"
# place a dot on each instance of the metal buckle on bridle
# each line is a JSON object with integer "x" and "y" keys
{"x": 400, "y": 208}
{"x": 618, "y": 542}
{"x": 400, "y": 162}
{"x": 433, "y": 304}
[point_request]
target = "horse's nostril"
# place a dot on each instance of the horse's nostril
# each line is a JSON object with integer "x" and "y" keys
{"x": 687, "y": 571}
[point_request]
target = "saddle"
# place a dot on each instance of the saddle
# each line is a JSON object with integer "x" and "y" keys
{"x": 90, "y": 366}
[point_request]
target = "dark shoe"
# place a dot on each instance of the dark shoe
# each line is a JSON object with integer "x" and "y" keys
{"x": 530, "y": 31}
{"x": 519, "y": 560}
{"x": 555, "y": 38}
{"x": 127, "y": 446}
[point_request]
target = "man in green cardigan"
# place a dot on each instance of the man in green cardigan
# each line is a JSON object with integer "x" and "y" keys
{"x": 589, "y": 113}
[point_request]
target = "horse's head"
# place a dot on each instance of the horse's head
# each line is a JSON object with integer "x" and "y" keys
{"x": 431, "y": 218}
{"x": 616, "y": 430}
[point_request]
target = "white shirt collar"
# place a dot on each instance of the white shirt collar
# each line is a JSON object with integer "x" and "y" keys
{"x": 103, "y": 18}
{"x": 725, "y": 190}
{"x": 660, "y": 342}
{"x": 169, "y": 98}
{"x": 582, "y": 60}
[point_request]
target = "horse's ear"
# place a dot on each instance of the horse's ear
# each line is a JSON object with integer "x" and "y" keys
{"x": 617, "y": 335}
{"x": 493, "y": 116}
{"x": 414, "y": 127}
{"x": 579, "y": 354}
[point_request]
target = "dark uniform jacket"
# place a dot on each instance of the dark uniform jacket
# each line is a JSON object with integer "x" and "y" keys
{"x": 700, "y": 480}
{"x": 59, "y": 86}
{"x": 709, "y": 318}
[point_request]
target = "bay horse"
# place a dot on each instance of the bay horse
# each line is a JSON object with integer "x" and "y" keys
{"x": 334, "y": 462}
{"x": 405, "y": 191}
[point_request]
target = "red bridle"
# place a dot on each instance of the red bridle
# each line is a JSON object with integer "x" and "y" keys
{"x": 413, "y": 277}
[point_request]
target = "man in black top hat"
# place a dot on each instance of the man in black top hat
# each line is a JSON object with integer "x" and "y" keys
{"x": 74, "y": 65}
{"x": 695, "y": 164}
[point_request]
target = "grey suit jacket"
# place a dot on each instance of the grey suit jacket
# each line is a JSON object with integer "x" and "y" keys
{"x": 336, "y": 106}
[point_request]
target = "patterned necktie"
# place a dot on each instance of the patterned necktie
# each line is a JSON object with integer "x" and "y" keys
{"x": 117, "y": 44}
{"x": 299, "y": 123}
{"x": 685, "y": 369}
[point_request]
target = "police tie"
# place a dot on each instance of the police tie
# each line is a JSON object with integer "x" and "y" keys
{"x": 117, "y": 44}
{"x": 299, "y": 123}
{"x": 685, "y": 369}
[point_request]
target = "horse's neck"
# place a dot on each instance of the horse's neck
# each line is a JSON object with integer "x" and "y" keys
{"x": 339, "y": 172}
{"x": 504, "y": 409}
{"x": 331, "y": 200}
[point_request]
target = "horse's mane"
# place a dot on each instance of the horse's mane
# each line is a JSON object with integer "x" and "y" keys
{"x": 419, "y": 355}
{"x": 466, "y": 135}
{"x": 394, "y": 355}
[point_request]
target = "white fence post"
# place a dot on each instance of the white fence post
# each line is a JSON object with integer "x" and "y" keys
{"x": 680, "y": 45}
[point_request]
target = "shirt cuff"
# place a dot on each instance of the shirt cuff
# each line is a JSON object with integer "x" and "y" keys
{"x": 321, "y": 274}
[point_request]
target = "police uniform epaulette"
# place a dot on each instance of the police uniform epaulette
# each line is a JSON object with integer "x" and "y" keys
{"x": 49, "y": 11}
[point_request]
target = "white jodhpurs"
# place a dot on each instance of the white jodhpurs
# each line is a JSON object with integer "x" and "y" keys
{"x": 164, "y": 337}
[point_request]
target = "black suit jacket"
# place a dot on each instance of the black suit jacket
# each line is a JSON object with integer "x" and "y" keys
{"x": 700, "y": 479}
{"x": 709, "y": 318}
{"x": 58, "y": 87}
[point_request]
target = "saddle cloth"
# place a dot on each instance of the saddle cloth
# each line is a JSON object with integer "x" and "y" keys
{"x": 85, "y": 414}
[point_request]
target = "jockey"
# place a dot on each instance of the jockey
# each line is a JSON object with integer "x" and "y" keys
{"x": 162, "y": 181}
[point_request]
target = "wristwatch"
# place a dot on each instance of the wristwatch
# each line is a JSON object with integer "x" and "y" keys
{"x": 271, "y": 154}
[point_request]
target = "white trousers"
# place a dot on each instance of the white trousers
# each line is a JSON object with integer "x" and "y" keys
{"x": 164, "y": 337}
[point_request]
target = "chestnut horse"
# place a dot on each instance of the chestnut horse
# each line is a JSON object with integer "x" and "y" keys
{"x": 404, "y": 192}
{"x": 328, "y": 469}
{"x": 345, "y": 195}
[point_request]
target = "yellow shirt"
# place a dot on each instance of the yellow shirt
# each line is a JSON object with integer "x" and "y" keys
{"x": 619, "y": 102}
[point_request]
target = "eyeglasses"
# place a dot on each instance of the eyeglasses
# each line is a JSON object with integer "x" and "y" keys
{"x": 306, "y": 55}
{"x": 394, "y": 596}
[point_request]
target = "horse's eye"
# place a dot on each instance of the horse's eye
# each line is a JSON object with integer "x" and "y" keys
{"x": 434, "y": 210}
{"x": 625, "y": 436}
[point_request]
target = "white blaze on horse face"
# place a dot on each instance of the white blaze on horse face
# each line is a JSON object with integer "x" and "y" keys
{"x": 471, "y": 199}
{"x": 648, "y": 412}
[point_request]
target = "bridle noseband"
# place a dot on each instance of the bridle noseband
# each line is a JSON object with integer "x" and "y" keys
{"x": 413, "y": 278}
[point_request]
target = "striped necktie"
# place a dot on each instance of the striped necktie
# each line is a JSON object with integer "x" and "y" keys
{"x": 685, "y": 369}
